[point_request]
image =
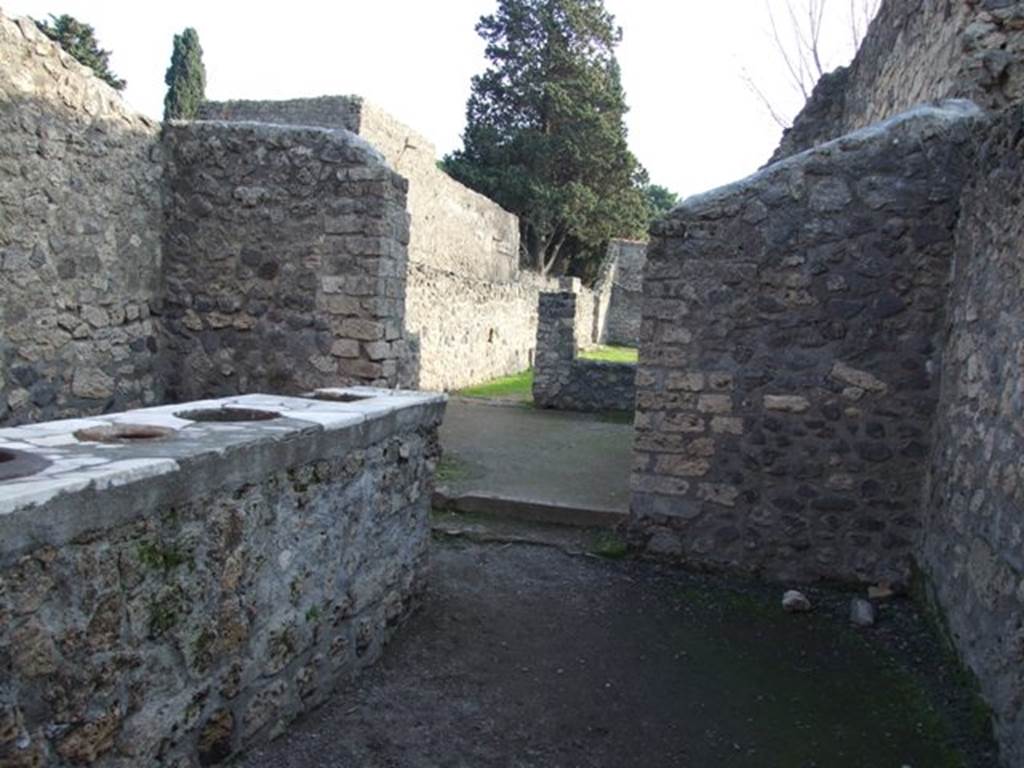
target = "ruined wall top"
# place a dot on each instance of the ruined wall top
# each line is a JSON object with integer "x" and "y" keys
{"x": 917, "y": 51}
{"x": 454, "y": 229}
{"x": 318, "y": 112}
{"x": 34, "y": 67}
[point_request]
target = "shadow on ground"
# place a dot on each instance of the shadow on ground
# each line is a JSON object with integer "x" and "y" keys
{"x": 527, "y": 655}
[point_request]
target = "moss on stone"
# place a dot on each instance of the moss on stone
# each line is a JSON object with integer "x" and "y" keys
{"x": 163, "y": 558}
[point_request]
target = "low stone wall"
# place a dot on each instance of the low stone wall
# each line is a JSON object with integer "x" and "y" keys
{"x": 284, "y": 260}
{"x": 562, "y": 380}
{"x": 172, "y": 601}
{"x": 973, "y": 506}
{"x": 80, "y": 227}
{"x": 788, "y": 356}
{"x": 917, "y": 51}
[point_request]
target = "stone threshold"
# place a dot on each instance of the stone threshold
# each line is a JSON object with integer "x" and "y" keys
{"x": 525, "y": 510}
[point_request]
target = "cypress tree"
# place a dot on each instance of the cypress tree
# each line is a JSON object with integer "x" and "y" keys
{"x": 545, "y": 135}
{"x": 185, "y": 78}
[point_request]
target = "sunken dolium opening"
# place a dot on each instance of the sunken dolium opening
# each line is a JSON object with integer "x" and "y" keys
{"x": 15, "y": 464}
{"x": 227, "y": 415}
{"x": 122, "y": 433}
{"x": 339, "y": 397}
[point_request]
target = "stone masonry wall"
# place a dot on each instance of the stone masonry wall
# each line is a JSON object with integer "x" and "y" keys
{"x": 787, "y": 378}
{"x": 562, "y": 380}
{"x": 285, "y": 260}
{"x": 321, "y": 112}
{"x": 973, "y": 506}
{"x": 453, "y": 228}
{"x": 470, "y": 312}
{"x": 80, "y": 227}
{"x": 202, "y": 593}
{"x": 621, "y": 323}
{"x": 917, "y": 51}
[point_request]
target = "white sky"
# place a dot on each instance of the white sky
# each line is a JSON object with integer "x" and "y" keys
{"x": 693, "y": 122}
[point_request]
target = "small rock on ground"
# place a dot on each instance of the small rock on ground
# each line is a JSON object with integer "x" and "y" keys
{"x": 862, "y": 612}
{"x": 795, "y": 601}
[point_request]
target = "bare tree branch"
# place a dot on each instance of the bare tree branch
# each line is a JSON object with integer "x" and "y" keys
{"x": 796, "y": 29}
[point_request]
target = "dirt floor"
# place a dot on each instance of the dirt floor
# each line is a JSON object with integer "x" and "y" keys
{"x": 540, "y": 654}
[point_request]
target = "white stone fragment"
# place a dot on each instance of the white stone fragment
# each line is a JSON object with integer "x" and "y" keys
{"x": 795, "y": 601}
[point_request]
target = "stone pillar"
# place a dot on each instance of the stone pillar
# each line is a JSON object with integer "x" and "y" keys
{"x": 284, "y": 262}
{"x": 556, "y": 345}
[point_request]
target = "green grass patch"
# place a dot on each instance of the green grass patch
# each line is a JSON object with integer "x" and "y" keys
{"x": 518, "y": 386}
{"x": 610, "y": 354}
{"x": 451, "y": 469}
{"x": 610, "y": 545}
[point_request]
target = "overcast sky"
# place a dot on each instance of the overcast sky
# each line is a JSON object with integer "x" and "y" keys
{"x": 693, "y": 122}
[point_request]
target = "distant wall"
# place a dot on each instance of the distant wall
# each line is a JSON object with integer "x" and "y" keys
{"x": 917, "y": 51}
{"x": 80, "y": 227}
{"x": 323, "y": 112}
{"x": 623, "y": 284}
{"x": 564, "y": 381}
{"x": 285, "y": 260}
{"x": 469, "y": 331}
{"x": 790, "y": 339}
{"x": 973, "y": 548}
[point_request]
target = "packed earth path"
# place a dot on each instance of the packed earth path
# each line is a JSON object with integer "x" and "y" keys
{"x": 530, "y": 651}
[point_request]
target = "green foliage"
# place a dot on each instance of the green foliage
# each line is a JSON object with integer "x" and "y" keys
{"x": 609, "y": 545}
{"x": 163, "y": 558}
{"x": 79, "y": 40}
{"x": 659, "y": 200}
{"x": 185, "y": 78}
{"x": 518, "y": 386}
{"x": 610, "y": 354}
{"x": 545, "y": 135}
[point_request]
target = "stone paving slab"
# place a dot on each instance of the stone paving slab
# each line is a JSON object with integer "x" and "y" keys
{"x": 556, "y": 462}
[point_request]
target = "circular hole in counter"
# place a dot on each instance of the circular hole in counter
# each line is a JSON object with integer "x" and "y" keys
{"x": 122, "y": 433}
{"x": 227, "y": 415}
{"x": 15, "y": 464}
{"x": 340, "y": 397}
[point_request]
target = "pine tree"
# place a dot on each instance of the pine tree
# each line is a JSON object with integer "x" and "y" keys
{"x": 185, "y": 78}
{"x": 545, "y": 135}
{"x": 79, "y": 40}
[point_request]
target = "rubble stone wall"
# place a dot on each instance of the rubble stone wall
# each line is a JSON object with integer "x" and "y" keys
{"x": 212, "y": 588}
{"x": 470, "y": 311}
{"x": 973, "y": 505}
{"x": 623, "y": 295}
{"x": 917, "y": 51}
{"x": 788, "y": 361}
{"x": 284, "y": 260}
{"x": 564, "y": 381}
{"x": 80, "y": 237}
